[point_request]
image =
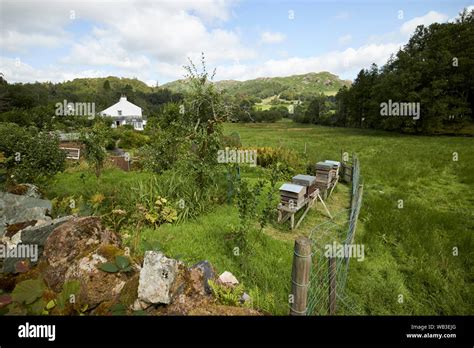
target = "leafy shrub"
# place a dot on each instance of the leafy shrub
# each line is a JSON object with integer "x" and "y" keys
{"x": 226, "y": 295}
{"x": 287, "y": 160}
{"x": 130, "y": 139}
{"x": 95, "y": 140}
{"x": 33, "y": 297}
{"x": 31, "y": 156}
{"x": 232, "y": 141}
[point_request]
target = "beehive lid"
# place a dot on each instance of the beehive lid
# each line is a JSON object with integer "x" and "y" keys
{"x": 309, "y": 179}
{"x": 292, "y": 188}
{"x": 334, "y": 163}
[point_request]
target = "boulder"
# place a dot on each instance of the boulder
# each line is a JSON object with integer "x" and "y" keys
{"x": 17, "y": 208}
{"x": 97, "y": 286}
{"x": 206, "y": 272}
{"x": 31, "y": 236}
{"x": 228, "y": 278}
{"x": 156, "y": 278}
{"x": 72, "y": 240}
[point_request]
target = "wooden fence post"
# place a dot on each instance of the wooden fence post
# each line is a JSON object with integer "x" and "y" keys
{"x": 332, "y": 285}
{"x": 300, "y": 276}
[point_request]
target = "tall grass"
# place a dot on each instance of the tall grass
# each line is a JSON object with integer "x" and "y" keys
{"x": 409, "y": 251}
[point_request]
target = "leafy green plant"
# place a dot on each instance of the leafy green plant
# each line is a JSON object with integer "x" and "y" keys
{"x": 28, "y": 291}
{"x": 247, "y": 201}
{"x": 32, "y": 296}
{"x": 71, "y": 205}
{"x": 118, "y": 309}
{"x": 121, "y": 264}
{"x": 95, "y": 140}
{"x": 70, "y": 288}
{"x": 226, "y": 295}
{"x": 260, "y": 300}
{"x": 160, "y": 213}
{"x": 29, "y": 155}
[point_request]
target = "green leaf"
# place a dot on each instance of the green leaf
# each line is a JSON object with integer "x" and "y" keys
{"x": 28, "y": 291}
{"x": 127, "y": 269}
{"x": 122, "y": 261}
{"x": 118, "y": 309}
{"x": 37, "y": 307}
{"x": 109, "y": 267}
{"x": 51, "y": 304}
{"x": 69, "y": 288}
{"x": 15, "y": 308}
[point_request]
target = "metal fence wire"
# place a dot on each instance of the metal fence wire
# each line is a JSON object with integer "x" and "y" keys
{"x": 321, "y": 296}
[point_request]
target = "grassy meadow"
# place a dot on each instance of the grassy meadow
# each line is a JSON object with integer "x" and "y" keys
{"x": 409, "y": 251}
{"x": 422, "y": 251}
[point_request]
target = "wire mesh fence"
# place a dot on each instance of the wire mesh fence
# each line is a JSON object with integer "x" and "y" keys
{"x": 328, "y": 278}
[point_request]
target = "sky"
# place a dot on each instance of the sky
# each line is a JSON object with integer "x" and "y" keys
{"x": 59, "y": 40}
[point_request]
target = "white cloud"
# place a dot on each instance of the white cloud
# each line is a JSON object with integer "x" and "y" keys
{"x": 345, "y": 39}
{"x": 269, "y": 37}
{"x": 17, "y": 71}
{"x": 344, "y": 63}
{"x": 431, "y": 17}
{"x": 14, "y": 41}
{"x": 164, "y": 30}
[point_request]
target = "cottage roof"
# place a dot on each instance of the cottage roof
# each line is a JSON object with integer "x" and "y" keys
{"x": 123, "y": 108}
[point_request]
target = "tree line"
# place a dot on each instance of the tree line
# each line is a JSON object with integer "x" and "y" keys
{"x": 34, "y": 104}
{"x": 434, "y": 71}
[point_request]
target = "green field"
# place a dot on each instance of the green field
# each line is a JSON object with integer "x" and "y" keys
{"x": 408, "y": 251}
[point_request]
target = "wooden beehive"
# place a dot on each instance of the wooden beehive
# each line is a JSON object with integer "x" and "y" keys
{"x": 307, "y": 181}
{"x": 292, "y": 193}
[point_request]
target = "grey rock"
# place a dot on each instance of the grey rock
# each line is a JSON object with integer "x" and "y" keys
{"x": 207, "y": 272}
{"x": 16, "y": 208}
{"x": 156, "y": 278}
{"x": 31, "y": 235}
{"x": 245, "y": 298}
{"x": 39, "y": 234}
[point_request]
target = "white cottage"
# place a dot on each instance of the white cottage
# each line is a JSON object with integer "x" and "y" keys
{"x": 124, "y": 113}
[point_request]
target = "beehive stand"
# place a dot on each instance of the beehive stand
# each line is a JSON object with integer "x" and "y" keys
{"x": 289, "y": 212}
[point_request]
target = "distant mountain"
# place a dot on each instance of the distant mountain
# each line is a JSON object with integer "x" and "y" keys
{"x": 263, "y": 87}
{"x": 116, "y": 83}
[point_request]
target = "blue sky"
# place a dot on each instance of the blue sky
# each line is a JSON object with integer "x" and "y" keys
{"x": 59, "y": 40}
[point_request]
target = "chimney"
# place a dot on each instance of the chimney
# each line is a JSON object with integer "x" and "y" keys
{"x": 123, "y": 97}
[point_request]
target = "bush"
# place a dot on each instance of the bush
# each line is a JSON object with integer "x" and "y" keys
{"x": 231, "y": 141}
{"x": 30, "y": 156}
{"x": 272, "y": 115}
{"x": 288, "y": 161}
{"x": 130, "y": 139}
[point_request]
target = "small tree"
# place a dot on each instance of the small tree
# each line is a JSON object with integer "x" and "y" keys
{"x": 95, "y": 141}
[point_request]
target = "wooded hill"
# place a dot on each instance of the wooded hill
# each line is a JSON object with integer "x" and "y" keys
{"x": 288, "y": 87}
